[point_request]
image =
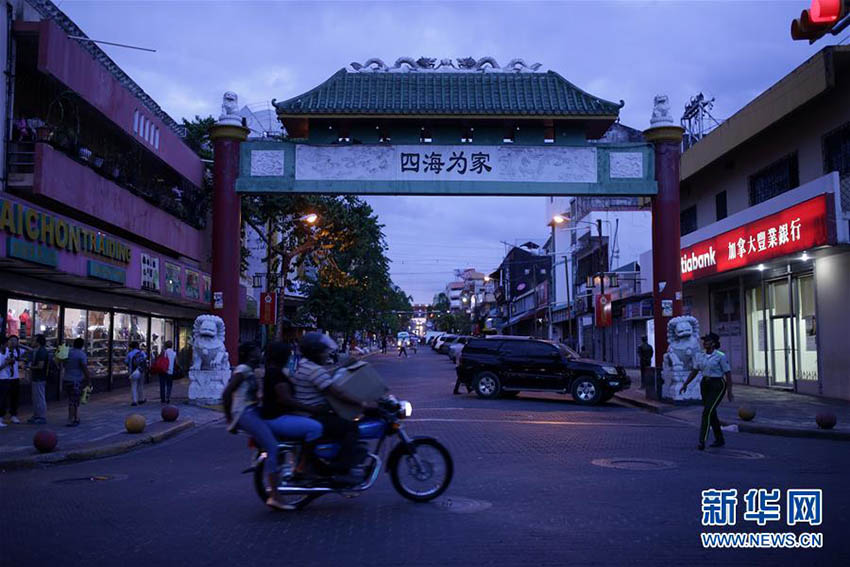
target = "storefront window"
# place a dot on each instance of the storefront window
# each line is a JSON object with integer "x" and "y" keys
{"x": 97, "y": 341}
{"x": 807, "y": 351}
{"x": 19, "y": 319}
{"x": 126, "y": 329}
{"x": 184, "y": 354}
{"x": 47, "y": 323}
{"x": 756, "y": 333}
{"x": 76, "y": 322}
{"x": 161, "y": 330}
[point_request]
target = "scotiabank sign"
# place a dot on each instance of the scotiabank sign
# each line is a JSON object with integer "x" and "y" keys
{"x": 792, "y": 230}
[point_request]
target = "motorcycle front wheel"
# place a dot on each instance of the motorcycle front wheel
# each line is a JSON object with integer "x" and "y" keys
{"x": 261, "y": 485}
{"x": 424, "y": 476}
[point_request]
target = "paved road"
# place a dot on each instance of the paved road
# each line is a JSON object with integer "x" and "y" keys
{"x": 525, "y": 493}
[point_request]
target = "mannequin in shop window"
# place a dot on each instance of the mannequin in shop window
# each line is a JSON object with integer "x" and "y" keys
{"x": 26, "y": 323}
{"x": 12, "y": 323}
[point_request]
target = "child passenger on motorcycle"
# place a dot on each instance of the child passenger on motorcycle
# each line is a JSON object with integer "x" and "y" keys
{"x": 240, "y": 398}
{"x": 278, "y": 404}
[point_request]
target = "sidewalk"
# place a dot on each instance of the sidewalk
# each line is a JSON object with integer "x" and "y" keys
{"x": 101, "y": 431}
{"x": 778, "y": 412}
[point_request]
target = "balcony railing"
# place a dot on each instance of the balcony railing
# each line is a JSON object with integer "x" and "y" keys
{"x": 164, "y": 190}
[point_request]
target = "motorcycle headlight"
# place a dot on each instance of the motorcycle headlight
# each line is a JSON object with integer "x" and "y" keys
{"x": 609, "y": 370}
{"x": 406, "y": 409}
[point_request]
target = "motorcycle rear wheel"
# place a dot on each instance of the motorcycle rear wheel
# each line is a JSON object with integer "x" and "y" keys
{"x": 299, "y": 501}
{"x": 435, "y": 460}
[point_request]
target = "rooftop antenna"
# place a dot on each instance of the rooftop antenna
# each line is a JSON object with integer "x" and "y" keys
{"x": 697, "y": 120}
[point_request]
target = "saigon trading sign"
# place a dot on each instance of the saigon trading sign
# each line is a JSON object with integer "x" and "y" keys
{"x": 792, "y": 230}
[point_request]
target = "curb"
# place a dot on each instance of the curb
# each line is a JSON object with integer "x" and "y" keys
{"x": 793, "y": 432}
{"x": 87, "y": 453}
{"x": 749, "y": 427}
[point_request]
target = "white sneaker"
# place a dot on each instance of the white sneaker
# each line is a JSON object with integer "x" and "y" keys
{"x": 15, "y": 419}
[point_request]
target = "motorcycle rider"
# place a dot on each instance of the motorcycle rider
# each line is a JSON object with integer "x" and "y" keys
{"x": 240, "y": 401}
{"x": 311, "y": 383}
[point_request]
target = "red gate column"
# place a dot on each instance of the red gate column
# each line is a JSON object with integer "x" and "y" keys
{"x": 226, "y": 229}
{"x": 666, "y": 232}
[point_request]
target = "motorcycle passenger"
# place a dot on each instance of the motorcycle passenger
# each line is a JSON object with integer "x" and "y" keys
{"x": 279, "y": 404}
{"x": 311, "y": 383}
{"x": 240, "y": 398}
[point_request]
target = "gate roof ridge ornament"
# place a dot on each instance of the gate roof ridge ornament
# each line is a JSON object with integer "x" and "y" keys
{"x": 446, "y": 65}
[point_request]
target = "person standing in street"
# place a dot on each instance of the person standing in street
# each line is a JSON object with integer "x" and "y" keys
{"x": 716, "y": 380}
{"x": 384, "y": 344}
{"x": 10, "y": 379}
{"x": 137, "y": 367}
{"x": 38, "y": 379}
{"x": 644, "y": 352}
{"x": 402, "y": 348}
{"x": 76, "y": 372}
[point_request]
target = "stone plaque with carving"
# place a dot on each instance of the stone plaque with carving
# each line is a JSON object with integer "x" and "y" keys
{"x": 626, "y": 165}
{"x": 266, "y": 163}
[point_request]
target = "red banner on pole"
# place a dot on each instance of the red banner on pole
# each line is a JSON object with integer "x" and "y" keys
{"x": 604, "y": 316}
{"x": 268, "y": 312}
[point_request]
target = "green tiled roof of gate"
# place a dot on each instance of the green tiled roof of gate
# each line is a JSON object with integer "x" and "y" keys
{"x": 432, "y": 93}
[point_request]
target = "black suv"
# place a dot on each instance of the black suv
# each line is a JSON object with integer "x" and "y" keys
{"x": 505, "y": 366}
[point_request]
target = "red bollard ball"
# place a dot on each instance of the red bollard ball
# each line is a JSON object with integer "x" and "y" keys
{"x": 747, "y": 413}
{"x": 170, "y": 413}
{"x": 45, "y": 441}
{"x": 826, "y": 420}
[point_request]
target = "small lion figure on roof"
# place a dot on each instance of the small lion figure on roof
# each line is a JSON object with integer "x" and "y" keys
{"x": 208, "y": 350}
{"x": 661, "y": 112}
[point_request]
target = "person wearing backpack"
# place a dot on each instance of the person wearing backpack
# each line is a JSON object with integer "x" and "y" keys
{"x": 164, "y": 367}
{"x": 137, "y": 366}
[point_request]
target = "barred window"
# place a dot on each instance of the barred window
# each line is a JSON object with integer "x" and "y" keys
{"x": 688, "y": 220}
{"x": 775, "y": 179}
{"x": 836, "y": 151}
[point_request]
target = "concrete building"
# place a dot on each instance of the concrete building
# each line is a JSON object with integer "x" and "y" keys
{"x": 102, "y": 207}
{"x": 765, "y": 215}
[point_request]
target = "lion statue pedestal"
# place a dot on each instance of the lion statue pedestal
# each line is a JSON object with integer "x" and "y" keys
{"x": 682, "y": 352}
{"x": 210, "y": 369}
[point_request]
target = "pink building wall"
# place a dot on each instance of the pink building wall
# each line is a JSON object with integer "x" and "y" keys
{"x": 65, "y": 60}
{"x": 61, "y": 179}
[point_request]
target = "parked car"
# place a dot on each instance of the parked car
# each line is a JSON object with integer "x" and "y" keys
{"x": 457, "y": 346}
{"x": 504, "y": 366}
{"x": 441, "y": 345}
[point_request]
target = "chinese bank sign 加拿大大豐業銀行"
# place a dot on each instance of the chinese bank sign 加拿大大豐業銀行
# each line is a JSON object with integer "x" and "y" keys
{"x": 794, "y": 229}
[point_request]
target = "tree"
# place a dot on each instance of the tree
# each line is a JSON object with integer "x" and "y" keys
{"x": 198, "y": 135}
{"x": 293, "y": 243}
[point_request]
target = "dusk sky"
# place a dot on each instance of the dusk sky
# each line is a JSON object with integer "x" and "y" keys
{"x": 626, "y": 50}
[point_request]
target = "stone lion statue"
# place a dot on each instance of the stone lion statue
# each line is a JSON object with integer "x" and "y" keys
{"x": 661, "y": 111}
{"x": 208, "y": 350}
{"x": 684, "y": 345}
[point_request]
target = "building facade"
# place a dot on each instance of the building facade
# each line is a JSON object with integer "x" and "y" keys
{"x": 102, "y": 209}
{"x": 765, "y": 215}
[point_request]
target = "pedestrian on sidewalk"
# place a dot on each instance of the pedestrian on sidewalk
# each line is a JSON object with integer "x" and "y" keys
{"x": 76, "y": 372}
{"x": 645, "y": 352}
{"x": 137, "y": 366}
{"x": 38, "y": 379}
{"x": 716, "y": 380}
{"x": 384, "y": 344}
{"x": 10, "y": 382}
{"x": 166, "y": 379}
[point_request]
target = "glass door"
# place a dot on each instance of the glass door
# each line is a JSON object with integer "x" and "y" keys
{"x": 781, "y": 334}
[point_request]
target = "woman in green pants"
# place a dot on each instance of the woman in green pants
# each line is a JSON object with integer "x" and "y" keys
{"x": 716, "y": 379}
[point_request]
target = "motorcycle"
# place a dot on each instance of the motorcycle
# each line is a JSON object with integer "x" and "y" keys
{"x": 420, "y": 468}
